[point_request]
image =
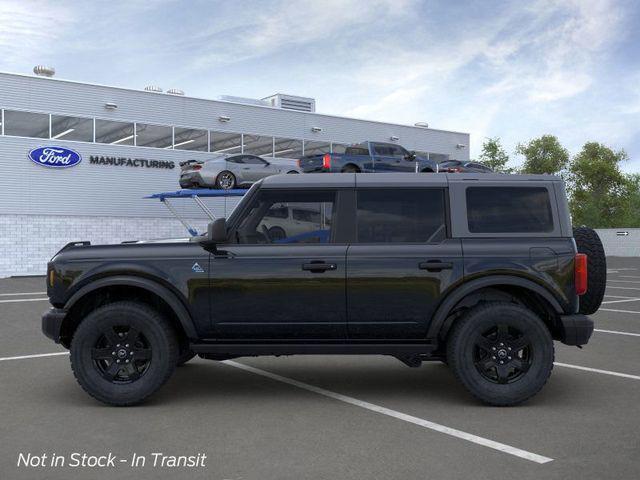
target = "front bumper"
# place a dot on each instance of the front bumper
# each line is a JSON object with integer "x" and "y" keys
{"x": 52, "y": 323}
{"x": 575, "y": 329}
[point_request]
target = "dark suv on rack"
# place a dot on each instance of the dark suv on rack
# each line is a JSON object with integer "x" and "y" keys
{"x": 481, "y": 271}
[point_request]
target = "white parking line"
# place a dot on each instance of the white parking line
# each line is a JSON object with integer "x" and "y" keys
{"x": 23, "y": 357}
{"x": 629, "y": 276}
{"x": 618, "y": 311}
{"x": 630, "y": 299}
{"x": 533, "y": 457}
{"x": 597, "y": 370}
{"x": 23, "y": 293}
{"x": 622, "y": 288}
{"x": 617, "y": 332}
{"x": 622, "y": 281}
{"x": 25, "y": 300}
{"x": 617, "y": 296}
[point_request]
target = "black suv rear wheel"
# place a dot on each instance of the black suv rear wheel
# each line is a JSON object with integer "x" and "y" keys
{"x": 123, "y": 352}
{"x": 501, "y": 352}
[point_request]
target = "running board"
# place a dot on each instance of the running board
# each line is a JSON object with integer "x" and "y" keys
{"x": 257, "y": 349}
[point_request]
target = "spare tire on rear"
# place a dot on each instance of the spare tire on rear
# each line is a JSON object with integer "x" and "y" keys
{"x": 588, "y": 242}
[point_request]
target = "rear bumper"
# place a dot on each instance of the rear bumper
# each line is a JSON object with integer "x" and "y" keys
{"x": 52, "y": 323}
{"x": 576, "y": 329}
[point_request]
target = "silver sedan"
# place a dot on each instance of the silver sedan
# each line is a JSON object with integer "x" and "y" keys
{"x": 231, "y": 171}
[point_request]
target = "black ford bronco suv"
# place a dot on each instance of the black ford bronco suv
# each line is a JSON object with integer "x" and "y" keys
{"x": 481, "y": 271}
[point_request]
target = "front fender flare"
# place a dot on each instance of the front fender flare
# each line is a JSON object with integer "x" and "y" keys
{"x": 161, "y": 291}
{"x": 439, "y": 318}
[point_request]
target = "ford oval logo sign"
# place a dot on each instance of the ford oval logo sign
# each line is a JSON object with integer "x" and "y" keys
{"x": 56, "y": 157}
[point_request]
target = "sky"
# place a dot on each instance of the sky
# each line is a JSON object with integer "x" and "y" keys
{"x": 509, "y": 69}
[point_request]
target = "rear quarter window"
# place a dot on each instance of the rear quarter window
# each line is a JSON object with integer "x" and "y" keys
{"x": 509, "y": 210}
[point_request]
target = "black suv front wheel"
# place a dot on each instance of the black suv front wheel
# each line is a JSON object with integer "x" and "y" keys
{"x": 123, "y": 352}
{"x": 501, "y": 352}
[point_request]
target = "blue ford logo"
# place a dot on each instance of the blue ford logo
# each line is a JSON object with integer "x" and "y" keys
{"x": 56, "y": 157}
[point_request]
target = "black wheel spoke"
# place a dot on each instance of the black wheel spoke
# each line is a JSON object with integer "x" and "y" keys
{"x": 485, "y": 364}
{"x": 132, "y": 372}
{"x": 102, "y": 353}
{"x": 112, "y": 371}
{"x": 142, "y": 354}
{"x": 519, "y": 343}
{"x": 503, "y": 373}
{"x": 111, "y": 336}
{"x": 503, "y": 332}
{"x": 132, "y": 336}
{"x": 520, "y": 365}
{"x": 484, "y": 343}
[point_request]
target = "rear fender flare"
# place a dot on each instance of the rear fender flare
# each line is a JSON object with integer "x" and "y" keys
{"x": 439, "y": 322}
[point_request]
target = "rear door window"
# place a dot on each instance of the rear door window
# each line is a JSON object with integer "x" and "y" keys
{"x": 401, "y": 216}
{"x": 509, "y": 210}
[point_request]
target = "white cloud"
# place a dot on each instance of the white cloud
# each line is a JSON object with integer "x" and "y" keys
{"x": 29, "y": 30}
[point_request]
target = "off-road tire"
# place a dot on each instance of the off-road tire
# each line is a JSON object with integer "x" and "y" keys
{"x": 162, "y": 349}
{"x": 462, "y": 348}
{"x": 588, "y": 242}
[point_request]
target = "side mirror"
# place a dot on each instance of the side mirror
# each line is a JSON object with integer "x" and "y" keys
{"x": 217, "y": 231}
{"x": 410, "y": 156}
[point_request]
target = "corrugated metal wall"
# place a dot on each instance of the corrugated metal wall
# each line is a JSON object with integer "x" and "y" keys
{"x": 86, "y": 189}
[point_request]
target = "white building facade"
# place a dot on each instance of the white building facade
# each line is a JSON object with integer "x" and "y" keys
{"x": 129, "y": 144}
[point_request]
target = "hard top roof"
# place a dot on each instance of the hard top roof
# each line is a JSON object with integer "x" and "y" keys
{"x": 345, "y": 180}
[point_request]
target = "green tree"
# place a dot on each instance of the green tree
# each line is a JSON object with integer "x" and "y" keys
{"x": 494, "y": 156}
{"x": 543, "y": 155}
{"x": 601, "y": 195}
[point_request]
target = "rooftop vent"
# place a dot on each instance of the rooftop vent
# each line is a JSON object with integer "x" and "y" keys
{"x": 153, "y": 88}
{"x": 244, "y": 100}
{"x": 291, "y": 102}
{"x": 44, "y": 71}
{"x": 422, "y": 124}
{"x": 175, "y": 91}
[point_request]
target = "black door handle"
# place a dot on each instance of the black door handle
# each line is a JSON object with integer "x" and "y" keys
{"x": 435, "y": 266}
{"x": 318, "y": 267}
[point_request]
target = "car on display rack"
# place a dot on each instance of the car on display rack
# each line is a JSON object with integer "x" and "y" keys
{"x": 460, "y": 166}
{"x": 230, "y": 171}
{"x": 485, "y": 280}
{"x": 368, "y": 157}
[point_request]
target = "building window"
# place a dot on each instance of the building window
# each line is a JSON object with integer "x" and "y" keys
{"x": 316, "y": 148}
{"x": 287, "y": 148}
{"x": 157, "y": 136}
{"x": 257, "y": 145}
{"x": 226, "y": 142}
{"x": 26, "y": 124}
{"x": 190, "y": 139}
{"x": 115, "y": 133}
{"x": 71, "y": 128}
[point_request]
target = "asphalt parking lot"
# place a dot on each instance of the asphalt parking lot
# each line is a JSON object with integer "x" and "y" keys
{"x": 339, "y": 417}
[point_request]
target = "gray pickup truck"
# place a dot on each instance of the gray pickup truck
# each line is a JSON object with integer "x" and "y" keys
{"x": 484, "y": 279}
{"x": 368, "y": 157}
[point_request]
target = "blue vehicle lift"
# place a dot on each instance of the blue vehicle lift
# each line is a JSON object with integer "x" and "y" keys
{"x": 196, "y": 195}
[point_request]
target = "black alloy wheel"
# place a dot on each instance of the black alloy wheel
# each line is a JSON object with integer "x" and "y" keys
{"x": 121, "y": 354}
{"x": 502, "y": 354}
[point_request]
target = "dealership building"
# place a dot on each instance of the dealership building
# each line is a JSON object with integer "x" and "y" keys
{"x": 127, "y": 144}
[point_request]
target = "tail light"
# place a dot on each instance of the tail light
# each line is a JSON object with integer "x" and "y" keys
{"x": 453, "y": 170}
{"x": 326, "y": 161}
{"x": 298, "y": 163}
{"x": 196, "y": 167}
{"x": 581, "y": 273}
